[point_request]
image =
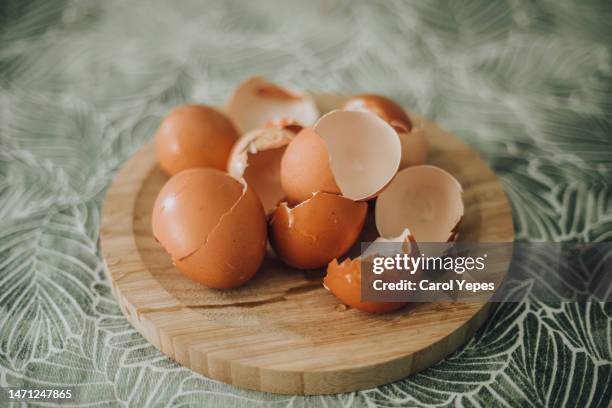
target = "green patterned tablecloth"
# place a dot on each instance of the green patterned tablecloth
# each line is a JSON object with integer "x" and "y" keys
{"x": 84, "y": 83}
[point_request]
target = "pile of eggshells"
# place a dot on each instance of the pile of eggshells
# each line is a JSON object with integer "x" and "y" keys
{"x": 269, "y": 166}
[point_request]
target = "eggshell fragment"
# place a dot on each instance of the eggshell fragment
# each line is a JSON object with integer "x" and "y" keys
{"x": 257, "y": 157}
{"x": 385, "y": 108}
{"x": 256, "y": 101}
{"x": 414, "y": 147}
{"x": 212, "y": 225}
{"x": 305, "y": 168}
{"x": 194, "y": 136}
{"x": 317, "y": 230}
{"x": 344, "y": 279}
{"x": 285, "y": 124}
{"x": 403, "y": 243}
{"x": 352, "y": 153}
{"x": 425, "y": 199}
{"x": 364, "y": 152}
{"x": 412, "y": 138}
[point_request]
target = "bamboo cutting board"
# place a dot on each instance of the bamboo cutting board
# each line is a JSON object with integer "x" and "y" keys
{"x": 283, "y": 332}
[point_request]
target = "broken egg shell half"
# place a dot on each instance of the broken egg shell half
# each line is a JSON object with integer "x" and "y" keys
{"x": 193, "y": 136}
{"x": 256, "y": 157}
{"x": 322, "y": 228}
{"x": 212, "y": 225}
{"x": 425, "y": 199}
{"x": 412, "y": 137}
{"x": 351, "y": 153}
{"x": 385, "y": 108}
{"x": 344, "y": 279}
{"x": 257, "y": 101}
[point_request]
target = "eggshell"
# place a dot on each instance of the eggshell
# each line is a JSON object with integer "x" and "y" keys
{"x": 415, "y": 147}
{"x": 257, "y": 101}
{"x": 194, "y": 136}
{"x": 317, "y": 230}
{"x": 425, "y": 199}
{"x": 344, "y": 279}
{"x": 414, "y": 143}
{"x": 352, "y": 153}
{"x": 285, "y": 124}
{"x": 403, "y": 243}
{"x": 385, "y": 108}
{"x": 212, "y": 225}
{"x": 364, "y": 152}
{"x": 305, "y": 168}
{"x": 257, "y": 157}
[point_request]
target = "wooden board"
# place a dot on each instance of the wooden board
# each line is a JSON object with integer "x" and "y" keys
{"x": 283, "y": 332}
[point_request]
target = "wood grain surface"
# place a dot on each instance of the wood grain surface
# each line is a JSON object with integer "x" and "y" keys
{"x": 283, "y": 332}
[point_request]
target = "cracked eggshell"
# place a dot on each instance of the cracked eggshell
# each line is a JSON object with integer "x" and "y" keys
{"x": 425, "y": 199}
{"x": 212, "y": 225}
{"x": 194, "y": 136}
{"x": 344, "y": 279}
{"x": 352, "y": 153}
{"x": 403, "y": 243}
{"x": 256, "y": 157}
{"x": 257, "y": 101}
{"x": 412, "y": 138}
{"x": 364, "y": 152}
{"x": 317, "y": 230}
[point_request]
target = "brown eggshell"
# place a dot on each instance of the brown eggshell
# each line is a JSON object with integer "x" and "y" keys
{"x": 235, "y": 250}
{"x": 344, "y": 279}
{"x": 316, "y": 231}
{"x": 257, "y": 157}
{"x": 257, "y": 101}
{"x": 352, "y": 153}
{"x": 414, "y": 144}
{"x": 387, "y": 109}
{"x": 183, "y": 197}
{"x": 193, "y": 136}
{"x": 414, "y": 147}
{"x": 305, "y": 167}
{"x": 212, "y": 225}
{"x": 425, "y": 199}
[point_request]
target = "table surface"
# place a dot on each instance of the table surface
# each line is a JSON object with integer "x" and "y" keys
{"x": 84, "y": 84}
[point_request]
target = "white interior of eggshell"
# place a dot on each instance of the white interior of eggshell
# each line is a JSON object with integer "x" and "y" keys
{"x": 252, "y": 106}
{"x": 256, "y": 158}
{"x": 425, "y": 199}
{"x": 388, "y": 247}
{"x": 263, "y": 175}
{"x": 364, "y": 151}
{"x": 356, "y": 105}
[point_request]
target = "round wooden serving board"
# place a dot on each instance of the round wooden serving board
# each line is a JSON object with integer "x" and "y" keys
{"x": 283, "y": 332}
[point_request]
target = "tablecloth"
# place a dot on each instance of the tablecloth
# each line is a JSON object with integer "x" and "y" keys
{"x": 84, "y": 83}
